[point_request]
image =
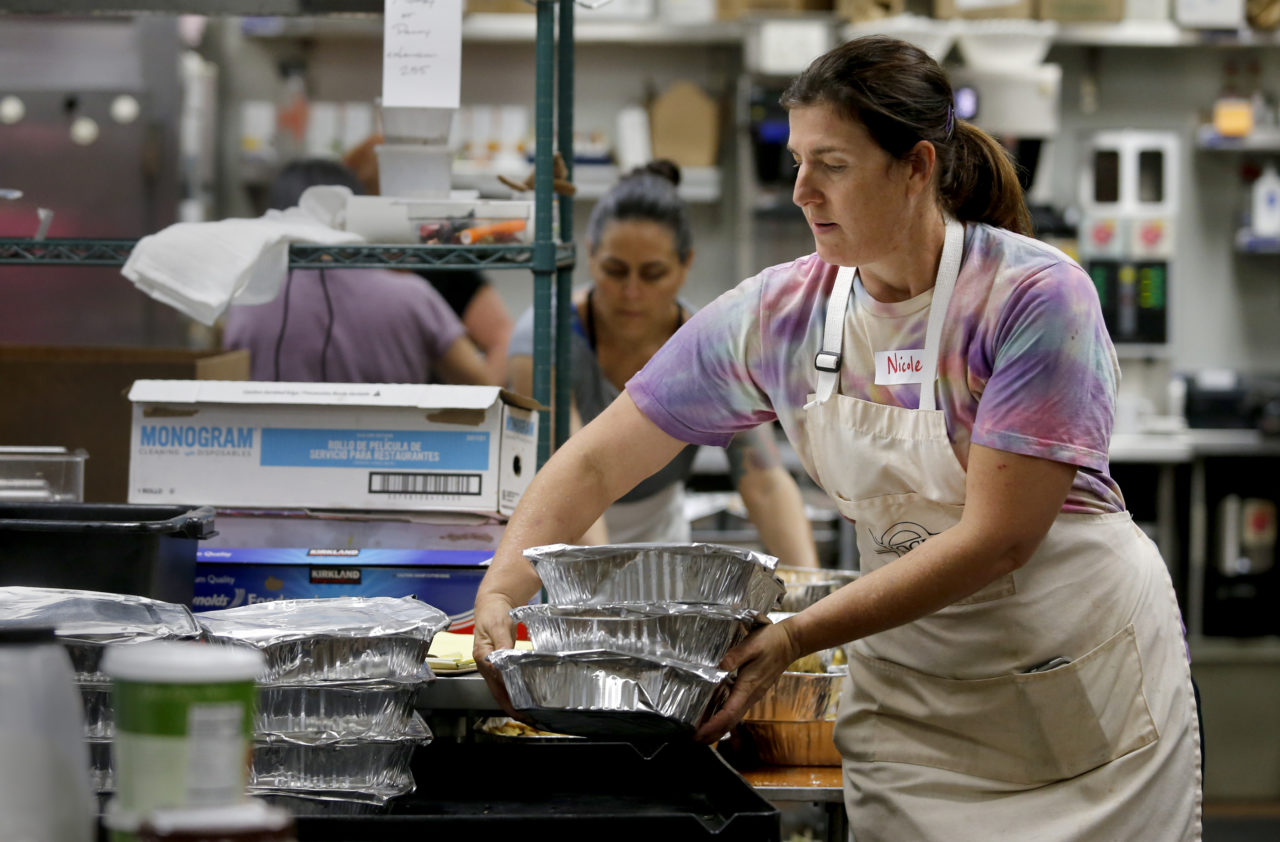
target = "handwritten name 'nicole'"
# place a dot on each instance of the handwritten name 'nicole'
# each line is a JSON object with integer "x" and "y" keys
{"x": 899, "y": 363}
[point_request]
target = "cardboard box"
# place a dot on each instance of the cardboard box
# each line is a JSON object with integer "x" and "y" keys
{"x": 1082, "y": 11}
{"x": 684, "y": 126}
{"x": 75, "y": 397}
{"x": 734, "y": 9}
{"x": 980, "y": 9}
{"x": 446, "y": 579}
{"x": 331, "y": 445}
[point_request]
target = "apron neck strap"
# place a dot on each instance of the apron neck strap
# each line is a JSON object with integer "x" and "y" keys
{"x": 828, "y": 360}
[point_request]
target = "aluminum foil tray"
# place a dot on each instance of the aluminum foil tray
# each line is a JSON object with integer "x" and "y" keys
{"x": 793, "y": 743}
{"x": 798, "y": 697}
{"x": 99, "y": 715}
{"x": 613, "y": 695}
{"x": 371, "y": 766}
{"x": 86, "y": 622}
{"x": 800, "y": 596}
{"x": 335, "y": 711}
{"x": 698, "y": 634}
{"x": 101, "y": 771}
{"x": 335, "y": 802}
{"x": 338, "y": 639}
{"x": 648, "y": 573}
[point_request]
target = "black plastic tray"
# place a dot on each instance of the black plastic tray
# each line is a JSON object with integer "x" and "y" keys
{"x": 147, "y": 550}
{"x": 563, "y": 791}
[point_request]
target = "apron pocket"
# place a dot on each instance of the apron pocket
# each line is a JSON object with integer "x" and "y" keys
{"x": 1027, "y": 729}
{"x": 999, "y": 589}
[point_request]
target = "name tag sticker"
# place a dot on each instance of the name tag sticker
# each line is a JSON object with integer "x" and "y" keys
{"x": 893, "y": 367}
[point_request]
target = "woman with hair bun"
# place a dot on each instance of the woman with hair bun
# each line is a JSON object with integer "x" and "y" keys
{"x": 1018, "y": 666}
{"x": 640, "y": 247}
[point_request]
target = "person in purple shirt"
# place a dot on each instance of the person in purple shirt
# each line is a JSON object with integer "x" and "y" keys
{"x": 1017, "y": 664}
{"x": 351, "y": 325}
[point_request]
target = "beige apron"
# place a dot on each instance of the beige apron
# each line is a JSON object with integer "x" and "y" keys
{"x": 967, "y": 724}
{"x": 658, "y": 518}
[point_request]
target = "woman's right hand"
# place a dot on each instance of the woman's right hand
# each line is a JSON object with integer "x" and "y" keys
{"x": 494, "y": 630}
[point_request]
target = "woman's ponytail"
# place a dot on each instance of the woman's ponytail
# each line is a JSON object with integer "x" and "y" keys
{"x": 980, "y": 183}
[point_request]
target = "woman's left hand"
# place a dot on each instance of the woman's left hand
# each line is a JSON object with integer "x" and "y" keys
{"x": 759, "y": 660}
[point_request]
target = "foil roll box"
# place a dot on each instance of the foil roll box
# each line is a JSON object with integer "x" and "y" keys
{"x": 335, "y": 710}
{"x": 648, "y": 573}
{"x": 609, "y": 695}
{"x": 336, "y": 639}
{"x": 87, "y": 622}
{"x": 373, "y": 768}
{"x": 698, "y": 634}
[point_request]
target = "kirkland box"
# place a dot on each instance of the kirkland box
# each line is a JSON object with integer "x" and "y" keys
{"x": 447, "y": 579}
{"x": 331, "y": 445}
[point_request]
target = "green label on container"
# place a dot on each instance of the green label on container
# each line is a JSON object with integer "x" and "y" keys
{"x": 163, "y": 709}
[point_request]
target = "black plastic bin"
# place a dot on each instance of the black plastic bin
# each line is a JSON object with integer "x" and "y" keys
{"x": 562, "y": 791}
{"x": 112, "y": 547}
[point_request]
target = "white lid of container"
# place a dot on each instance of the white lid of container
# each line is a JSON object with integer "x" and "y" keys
{"x": 233, "y": 818}
{"x": 178, "y": 662}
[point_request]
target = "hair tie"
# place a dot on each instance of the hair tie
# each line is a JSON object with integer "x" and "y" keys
{"x": 951, "y": 121}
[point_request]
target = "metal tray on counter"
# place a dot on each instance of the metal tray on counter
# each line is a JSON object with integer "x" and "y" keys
{"x": 567, "y": 791}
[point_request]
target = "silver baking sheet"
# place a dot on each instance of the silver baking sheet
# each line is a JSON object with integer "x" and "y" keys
{"x": 797, "y": 697}
{"x": 351, "y": 766}
{"x": 699, "y": 634}
{"x": 99, "y": 715}
{"x": 335, "y": 710}
{"x": 86, "y": 622}
{"x": 338, "y": 639}
{"x": 648, "y": 573}
{"x": 609, "y": 695}
{"x": 101, "y": 772}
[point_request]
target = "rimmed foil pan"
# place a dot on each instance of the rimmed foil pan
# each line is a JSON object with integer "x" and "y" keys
{"x": 336, "y": 710}
{"x": 793, "y": 743}
{"x": 86, "y": 622}
{"x": 648, "y": 573}
{"x": 798, "y": 697}
{"x": 338, "y": 639}
{"x": 300, "y": 802}
{"x": 698, "y": 634}
{"x": 609, "y": 695}
{"x": 368, "y": 766}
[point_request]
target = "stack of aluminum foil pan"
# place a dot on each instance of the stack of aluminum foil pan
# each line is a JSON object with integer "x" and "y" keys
{"x": 335, "y": 719}
{"x": 629, "y": 641}
{"x": 86, "y": 623}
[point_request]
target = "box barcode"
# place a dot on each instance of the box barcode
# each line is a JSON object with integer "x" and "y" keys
{"x": 390, "y": 483}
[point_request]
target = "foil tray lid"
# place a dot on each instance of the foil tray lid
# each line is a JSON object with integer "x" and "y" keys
{"x": 95, "y": 617}
{"x": 266, "y": 623}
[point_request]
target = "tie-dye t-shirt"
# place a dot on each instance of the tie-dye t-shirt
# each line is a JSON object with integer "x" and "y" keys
{"x": 1025, "y": 362}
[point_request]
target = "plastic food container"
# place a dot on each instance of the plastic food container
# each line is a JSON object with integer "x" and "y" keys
{"x": 41, "y": 474}
{"x": 118, "y": 548}
{"x": 699, "y": 634}
{"x": 473, "y": 222}
{"x": 415, "y": 170}
{"x": 649, "y": 573}
{"x": 402, "y": 124}
{"x": 338, "y": 639}
{"x": 609, "y": 694}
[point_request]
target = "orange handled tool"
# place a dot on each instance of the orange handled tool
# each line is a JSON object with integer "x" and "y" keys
{"x": 497, "y": 231}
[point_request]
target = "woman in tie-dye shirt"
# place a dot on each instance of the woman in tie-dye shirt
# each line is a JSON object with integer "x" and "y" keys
{"x": 1017, "y": 666}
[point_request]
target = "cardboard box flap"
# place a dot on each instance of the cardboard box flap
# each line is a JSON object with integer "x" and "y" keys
{"x": 411, "y": 395}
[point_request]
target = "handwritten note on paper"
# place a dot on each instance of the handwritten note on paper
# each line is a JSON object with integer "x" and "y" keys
{"x": 421, "y": 53}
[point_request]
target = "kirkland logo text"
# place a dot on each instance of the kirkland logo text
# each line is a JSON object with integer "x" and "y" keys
{"x": 213, "y": 438}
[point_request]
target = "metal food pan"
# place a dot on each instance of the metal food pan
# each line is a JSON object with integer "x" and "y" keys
{"x": 607, "y": 694}
{"x": 699, "y": 634}
{"x": 649, "y": 573}
{"x": 798, "y": 697}
{"x": 336, "y": 710}
{"x": 365, "y": 766}
{"x": 793, "y": 743}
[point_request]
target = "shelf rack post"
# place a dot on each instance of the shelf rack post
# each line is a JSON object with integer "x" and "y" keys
{"x": 564, "y": 274}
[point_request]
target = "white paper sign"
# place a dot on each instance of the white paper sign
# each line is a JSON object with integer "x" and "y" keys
{"x": 421, "y": 53}
{"x": 894, "y": 367}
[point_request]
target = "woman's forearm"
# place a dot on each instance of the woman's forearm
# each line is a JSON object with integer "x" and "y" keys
{"x": 776, "y": 508}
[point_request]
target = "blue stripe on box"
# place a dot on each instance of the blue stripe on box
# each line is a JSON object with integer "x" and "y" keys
{"x": 437, "y": 450}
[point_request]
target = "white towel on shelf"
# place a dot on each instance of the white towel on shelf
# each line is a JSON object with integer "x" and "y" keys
{"x": 200, "y": 267}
